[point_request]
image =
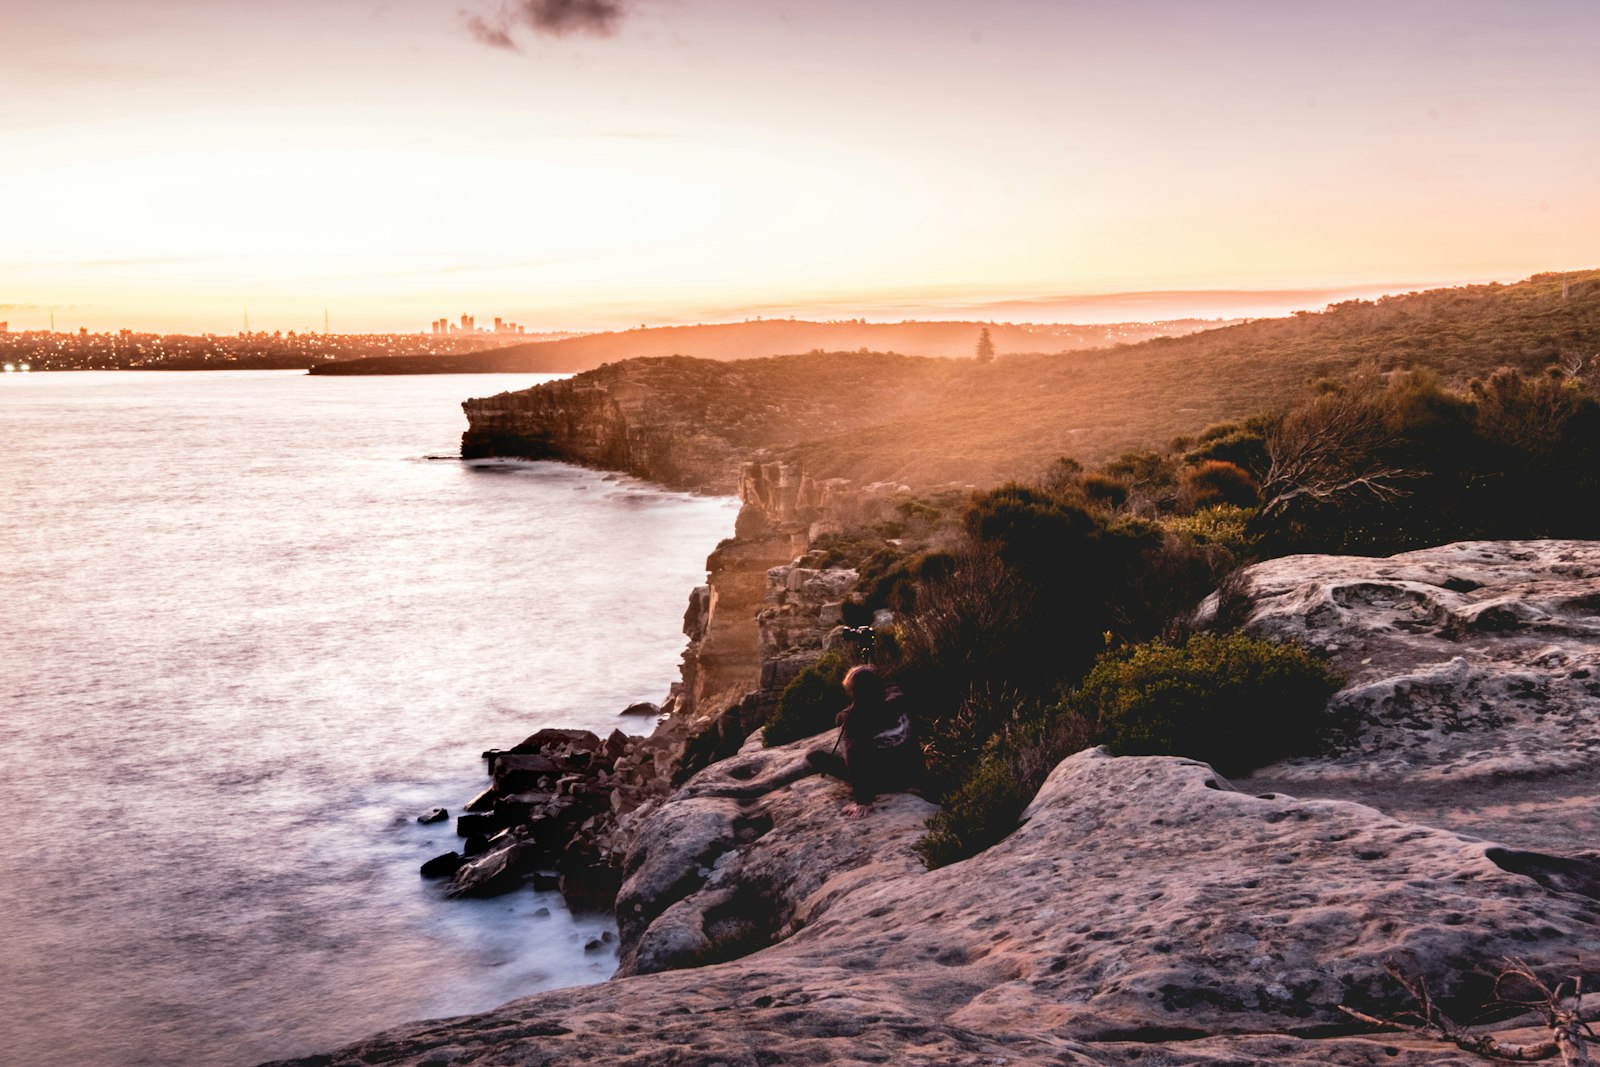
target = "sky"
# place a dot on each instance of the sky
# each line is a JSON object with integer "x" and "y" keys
{"x": 584, "y": 164}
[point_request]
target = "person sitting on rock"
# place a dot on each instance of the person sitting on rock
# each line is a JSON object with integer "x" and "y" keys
{"x": 880, "y": 753}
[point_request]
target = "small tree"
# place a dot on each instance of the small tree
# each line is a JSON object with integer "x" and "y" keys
{"x": 985, "y": 351}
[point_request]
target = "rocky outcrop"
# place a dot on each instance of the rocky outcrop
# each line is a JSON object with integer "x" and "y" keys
{"x": 612, "y": 419}
{"x": 737, "y": 859}
{"x": 762, "y": 617}
{"x": 566, "y": 800}
{"x": 1473, "y": 694}
{"x": 688, "y": 423}
{"x": 1145, "y": 911}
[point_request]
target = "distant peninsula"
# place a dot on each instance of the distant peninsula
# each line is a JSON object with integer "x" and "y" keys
{"x": 768, "y": 337}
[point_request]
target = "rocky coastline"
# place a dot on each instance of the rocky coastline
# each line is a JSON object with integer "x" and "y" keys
{"x": 561, "y": 805}
{"x": 1147, "y": 911}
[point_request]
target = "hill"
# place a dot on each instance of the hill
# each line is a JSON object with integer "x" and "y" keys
{"x": 922, "y": 421}
{"x": 766, "y": 337}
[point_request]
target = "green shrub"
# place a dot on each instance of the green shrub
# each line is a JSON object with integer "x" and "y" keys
{"x": 982, "y": 812}
{"x": 1227, "y": 525}
{"x": 988, "y": 804}
{"x": 809, "y": 702}
{"x": 1233, "y": 701}
{"x": 1241, "y": 443}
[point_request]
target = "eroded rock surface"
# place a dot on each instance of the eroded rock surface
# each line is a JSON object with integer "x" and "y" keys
{"x": 1473, "y": 695}
{"x": 738, "y": 859}
{"x": 1145, "y": 903}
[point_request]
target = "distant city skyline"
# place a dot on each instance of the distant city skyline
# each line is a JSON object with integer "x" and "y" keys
{"x": 169, "y": 161}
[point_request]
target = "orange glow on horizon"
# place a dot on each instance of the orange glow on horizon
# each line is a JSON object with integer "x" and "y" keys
{"x": 714, "y": 160}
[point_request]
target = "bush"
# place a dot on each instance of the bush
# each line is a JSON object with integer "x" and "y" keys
{"x": 1005, "y": 778}
{"x": 968, "y": 629}
{"x": 1108, "y": 493}
{"x": 809, "y": 702}
{"x": 1242, "y": 444}
{"x": 1226, "y": 525}
{"x": 1217, "y": 482}
{"x": 982, "y": 812}
{"x": 953, "y": 741}
{"x": 1233, "y": 701}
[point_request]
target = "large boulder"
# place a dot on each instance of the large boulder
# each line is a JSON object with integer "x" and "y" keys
{"x": 735, "y": 860}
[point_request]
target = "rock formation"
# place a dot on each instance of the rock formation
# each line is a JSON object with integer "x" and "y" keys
{"x": 1147, "y": 911}
{"x": 689, "y": 423}
{"x": 564, "y": 801}
{"x": 1473, "y": 695}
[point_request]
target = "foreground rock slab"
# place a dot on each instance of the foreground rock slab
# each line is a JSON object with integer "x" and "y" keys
{"x": 1146, "y": 912}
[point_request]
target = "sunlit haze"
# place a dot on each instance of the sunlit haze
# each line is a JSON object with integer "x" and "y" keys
{"x": 168, "y": 163}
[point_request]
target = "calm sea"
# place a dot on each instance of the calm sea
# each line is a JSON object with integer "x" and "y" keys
{"x": 251, "y": 624}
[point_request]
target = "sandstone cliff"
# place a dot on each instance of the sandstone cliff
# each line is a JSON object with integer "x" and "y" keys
{"x": 689, "y": 423}
{"x": 567, "y": 803}
{"x": 1147, "y": 911}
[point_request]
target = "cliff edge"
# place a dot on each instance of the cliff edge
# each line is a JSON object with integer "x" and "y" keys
{"x": 690, "y": 423}
{"x": 1147, "y": 910}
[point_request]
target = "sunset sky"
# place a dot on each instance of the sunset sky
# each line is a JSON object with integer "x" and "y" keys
{"x": 164, "y": 163}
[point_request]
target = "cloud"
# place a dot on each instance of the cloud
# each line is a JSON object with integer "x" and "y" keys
{"x": 493, "y": 34}
{"x": 547, "y": 18}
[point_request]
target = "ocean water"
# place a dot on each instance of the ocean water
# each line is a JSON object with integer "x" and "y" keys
{"x": 252, "y": 624}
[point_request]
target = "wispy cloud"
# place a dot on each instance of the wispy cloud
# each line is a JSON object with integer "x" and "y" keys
{"x": 96, "y": 264}
{"x": 547, "y": 18}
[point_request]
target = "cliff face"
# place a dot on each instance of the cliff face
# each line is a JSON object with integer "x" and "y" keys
{"x": 1147, "y": 910}
{"x": 688, "y": 423}
{"x": 760, "y": 619}
{"x": 569, "y": 801}
{"x": 608, "y": 421}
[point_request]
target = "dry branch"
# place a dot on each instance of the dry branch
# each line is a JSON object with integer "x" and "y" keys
{"x": 1570, "y": 1036}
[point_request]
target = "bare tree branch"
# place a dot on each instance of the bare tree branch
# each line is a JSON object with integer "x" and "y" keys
{"x": 1570, "y": 1037}
{"x": 1328, "y": 452}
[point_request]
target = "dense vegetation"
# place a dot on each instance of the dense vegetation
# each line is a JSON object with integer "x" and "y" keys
{"x": 1042, "y": 616}
{"x": 989, "y": 423}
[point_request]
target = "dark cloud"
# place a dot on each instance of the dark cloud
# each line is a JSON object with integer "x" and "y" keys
{"x": 493, "y": 34}
{"x": 549, "y": 18}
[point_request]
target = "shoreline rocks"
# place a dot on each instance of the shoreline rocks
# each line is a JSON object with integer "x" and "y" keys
{"x": 1147, "y": 910}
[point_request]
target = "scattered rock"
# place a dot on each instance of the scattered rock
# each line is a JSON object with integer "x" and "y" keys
{"x": 497, "y": 871}
{"x": 643, "y": 708}
{"x": 440, "y": 866}
{"x": 485, "y": 824}
{"x": 433, "y": 815}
